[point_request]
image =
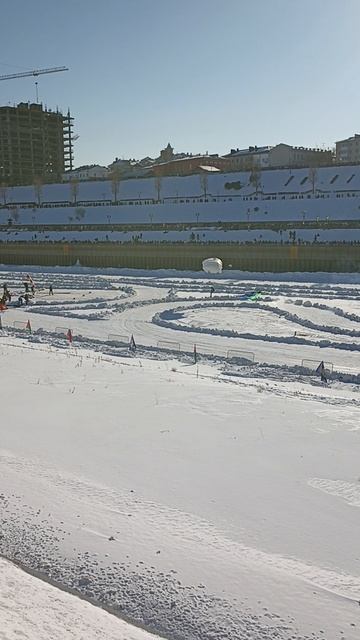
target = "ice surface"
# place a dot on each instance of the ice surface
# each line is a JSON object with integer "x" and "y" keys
{"x": 204, "y": 501}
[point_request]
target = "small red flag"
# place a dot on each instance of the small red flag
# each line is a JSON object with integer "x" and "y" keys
{"x": 28, "y": 326}
{"x": 69, "y": 336}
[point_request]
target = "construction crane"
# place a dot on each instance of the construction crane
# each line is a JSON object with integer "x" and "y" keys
{"x": 35, "y": 72}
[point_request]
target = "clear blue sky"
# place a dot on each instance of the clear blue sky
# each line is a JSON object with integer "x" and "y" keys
{"x": 206, "y": 75}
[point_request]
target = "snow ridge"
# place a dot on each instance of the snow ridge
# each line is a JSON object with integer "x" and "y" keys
{"x": 168, "y": 319}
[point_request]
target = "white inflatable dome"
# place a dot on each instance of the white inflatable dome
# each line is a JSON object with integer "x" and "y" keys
{"x": 212, "y": 265}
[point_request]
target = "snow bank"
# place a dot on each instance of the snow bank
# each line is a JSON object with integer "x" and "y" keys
{"x": 168, "y": 318}
{"x": 265, "y": 276}
{"x": 34, "y": 610}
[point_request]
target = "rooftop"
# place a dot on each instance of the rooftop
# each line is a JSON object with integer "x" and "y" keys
{"x": 253, "y": 150}
{"x": 351, "y": 139}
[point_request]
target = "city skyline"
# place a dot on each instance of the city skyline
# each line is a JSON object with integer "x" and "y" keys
{"x": 204, "y": 76}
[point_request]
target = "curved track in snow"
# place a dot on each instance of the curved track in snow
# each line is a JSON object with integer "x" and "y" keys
{"x": 96, "y": 307}
{"x": 222, "y": 497}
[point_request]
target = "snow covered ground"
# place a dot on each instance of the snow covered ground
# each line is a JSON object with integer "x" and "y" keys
{"x": 208, "y": 500}
{"x": 283, "y": 328}
{"x": 33, "y": 610}
{"x": 285, "y": 196}
{"x": 293, "y": 183}
{"x": 205, "y": 234}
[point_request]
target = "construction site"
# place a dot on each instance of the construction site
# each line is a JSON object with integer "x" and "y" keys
{"x": 36, "y": 143}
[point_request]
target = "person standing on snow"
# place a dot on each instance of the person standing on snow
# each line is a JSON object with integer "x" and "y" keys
{"x": 7, "y": 295}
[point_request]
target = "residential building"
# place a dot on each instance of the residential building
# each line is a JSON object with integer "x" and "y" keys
{"x": 348, "y": 151}
{"x": 87, "y": 172}
{"x": 145, "y": 162}
{"x": 122, "y": 167}
{"x": 285, "y": 155}
{"x": 189, "y": 165}
{"x": 35, "y": 144}
{"x": 281, "y": 155}
{"x": 246, "y": 159}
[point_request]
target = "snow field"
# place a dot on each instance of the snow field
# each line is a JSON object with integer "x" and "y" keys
{"x": 30, "y": 608}
{"x": 277, "y": 330}
{"x": 145, "y": 516}
{"x": 203, "y": 500}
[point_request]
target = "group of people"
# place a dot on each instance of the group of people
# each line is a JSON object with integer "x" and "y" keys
{"x": 24, "y": 298}
{"x": 29, "y": 287}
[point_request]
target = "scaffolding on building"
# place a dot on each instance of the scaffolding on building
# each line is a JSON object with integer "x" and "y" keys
{"x": 36, "y": 144}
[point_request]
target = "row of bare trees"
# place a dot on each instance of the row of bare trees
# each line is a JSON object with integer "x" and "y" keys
{"x": 255, "y": 180}
{"x": 74, "y": 189}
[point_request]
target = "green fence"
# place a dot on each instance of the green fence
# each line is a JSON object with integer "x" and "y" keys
{"x": 249, "y": 257}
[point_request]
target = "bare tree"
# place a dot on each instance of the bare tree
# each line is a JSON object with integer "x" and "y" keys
{"x": 255, "y": 178}
{"x": 3, "y": 192}
{"x": 313, "y": 176}
{"x": 15, "y": 214}
{"x": 204, "y": 181}
{"x": 74, "y": 190}
{"x": 38, "y": 185}
{"x": 115, "y": 177}
{"x": 80, "y": 213}
{"x": 158, "y": 185}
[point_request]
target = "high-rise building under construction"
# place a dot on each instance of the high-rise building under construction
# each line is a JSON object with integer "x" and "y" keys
{"x": 35, "y": 144}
